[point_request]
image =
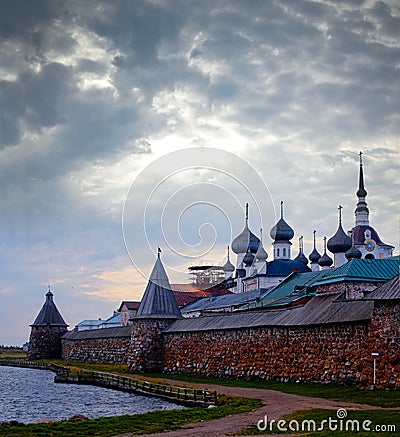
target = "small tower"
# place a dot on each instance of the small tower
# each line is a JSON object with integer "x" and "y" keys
{"x": 157, "y": 310}
{"x": 340, "y": 243}
{"x": 365, "y": 238}
{"x": 314, "y": 255}
{"x": 46, "y": 331}
{"x": 281, "y": 233}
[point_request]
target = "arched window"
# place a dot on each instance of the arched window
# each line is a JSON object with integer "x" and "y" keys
{"x": 284, "y": 252}
{"x": 277, "y": 252}
{"x": 369, "y": 256}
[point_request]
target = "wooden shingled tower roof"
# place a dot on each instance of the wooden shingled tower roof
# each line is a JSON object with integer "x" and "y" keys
{"x": 158, "y": 301}
{"x": 49, "y": 314}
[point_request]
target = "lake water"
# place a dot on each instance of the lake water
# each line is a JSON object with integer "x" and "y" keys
{"x": 27, "y": 395}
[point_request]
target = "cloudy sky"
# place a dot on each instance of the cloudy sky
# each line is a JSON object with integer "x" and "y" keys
{"x": 107, "y": 106}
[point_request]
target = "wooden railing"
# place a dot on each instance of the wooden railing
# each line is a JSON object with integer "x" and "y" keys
{"x": 180, "y": 395}
{"x": 41, "y": 365}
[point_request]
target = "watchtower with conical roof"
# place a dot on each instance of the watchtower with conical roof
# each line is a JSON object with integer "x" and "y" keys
{"x": 46, "y": 331}
{"x": 157, "y": 310}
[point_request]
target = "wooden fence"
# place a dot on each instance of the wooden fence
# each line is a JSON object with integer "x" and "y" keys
{"x": 181, "y": 395}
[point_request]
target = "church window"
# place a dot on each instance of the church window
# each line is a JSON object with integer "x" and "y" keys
{"x": 277, "y": 252}
{"x": 284, "y": 252}
{"x": 367, "y": 234}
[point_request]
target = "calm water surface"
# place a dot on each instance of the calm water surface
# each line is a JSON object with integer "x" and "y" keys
{"x": 27, "y": 395}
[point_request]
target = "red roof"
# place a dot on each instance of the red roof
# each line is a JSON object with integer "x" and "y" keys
{"x": 187, "y": 293}
{"x": 130, "y": 304}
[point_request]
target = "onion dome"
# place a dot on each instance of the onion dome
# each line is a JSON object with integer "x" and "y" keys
{"x": 314, "y": 255}
{"x": 353, "y": 252}
{"x": 248, "y": 258}
{"x": 340, "y": 242}
{"x": 281, "y": 231}
{"x": 301, "y": 257}
{"x": 261, "y": 254}
{"x": 325, "y": 260}
{"x": 246, "y": 239}
{"x": 228, "y": 266}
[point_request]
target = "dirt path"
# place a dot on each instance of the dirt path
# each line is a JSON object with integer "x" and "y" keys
{"x": 275, "y": 404}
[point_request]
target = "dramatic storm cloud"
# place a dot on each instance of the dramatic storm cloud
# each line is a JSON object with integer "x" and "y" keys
{"x": 94, "y": 92}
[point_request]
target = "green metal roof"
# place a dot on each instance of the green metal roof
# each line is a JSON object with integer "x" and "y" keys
{"x": 292, "y": 288}
{"x": 297, "y": 285}
{"x": 364, "y": 270}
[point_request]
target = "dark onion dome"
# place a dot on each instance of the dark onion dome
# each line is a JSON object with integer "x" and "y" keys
{"x": 248, "y": 258}
{"x": 228, "y": 267}
{"x": 340, "y": 242}
{"x": 246, "y": 239}
{"x": 314, "y": 256}
{"x": 281, "y": 231}
{"x": 325, "y": 260}
{"x": 352, "y": 253}
{"x": 302, "y": 258}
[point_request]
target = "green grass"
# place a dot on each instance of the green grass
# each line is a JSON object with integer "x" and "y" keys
{"x": 157, "y": 421}
{"x": 13, "y": 353}
{"x": 378, "y": 398}
{"x": 377, "y": 417}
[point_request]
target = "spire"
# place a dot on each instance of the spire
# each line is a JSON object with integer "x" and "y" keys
{"x": 281, "y": 209}
{"x": 361, "y": 211}
{"x": 361, "y": 190}
{"x": 158, "y": 300}
{"x": 247, "y": 214}
{"x": 49, "y": 314}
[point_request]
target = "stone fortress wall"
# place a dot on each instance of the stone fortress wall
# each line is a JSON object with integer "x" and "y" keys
{"x": 324, "y": 353}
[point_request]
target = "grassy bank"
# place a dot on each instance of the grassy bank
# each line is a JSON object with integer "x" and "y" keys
{"x": 302, "y": 422}
{"x": 157, "y": 421}
{"x": 378, "y": 398}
